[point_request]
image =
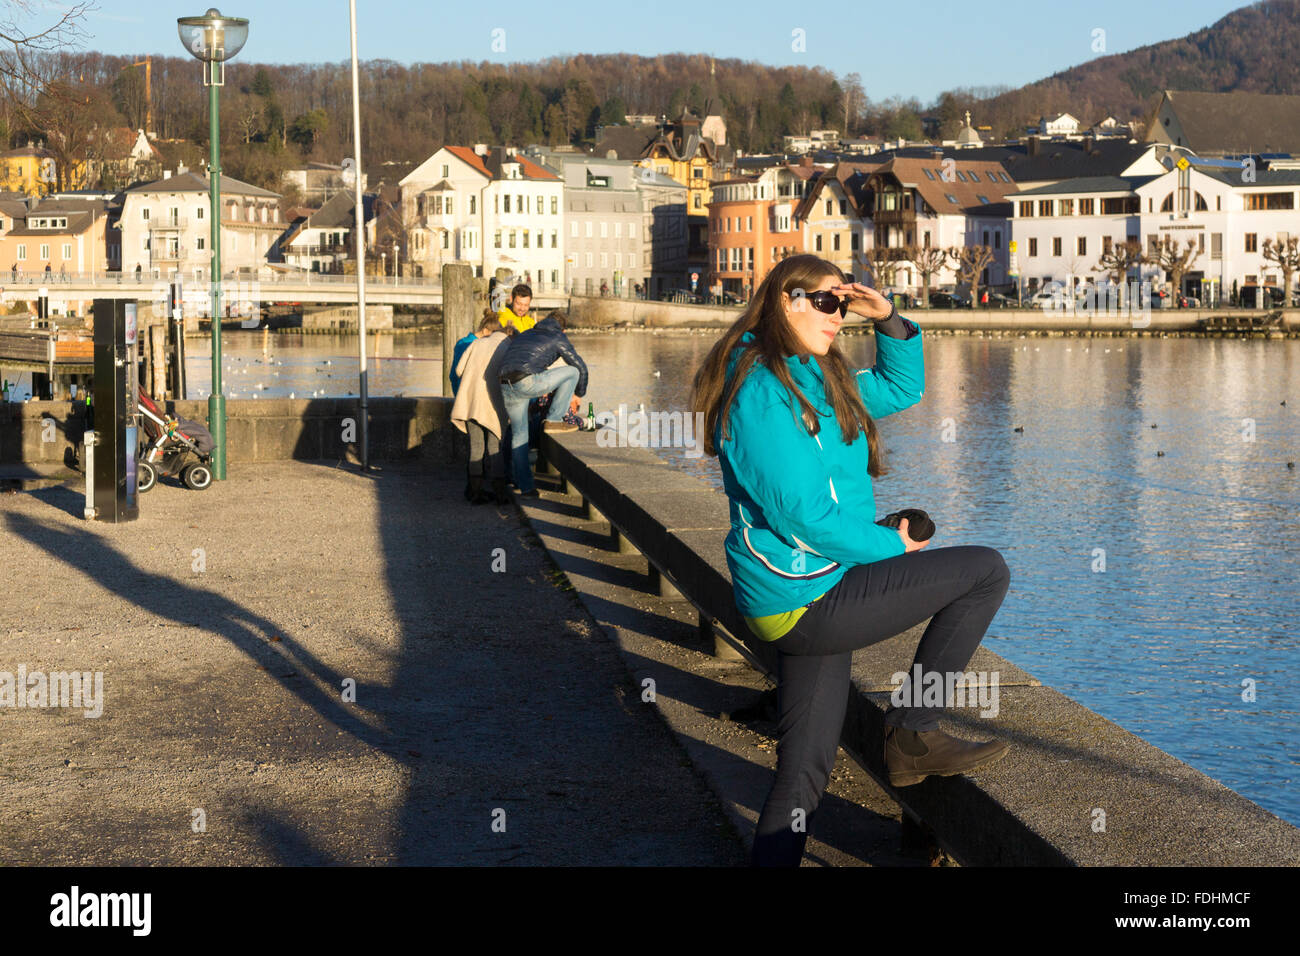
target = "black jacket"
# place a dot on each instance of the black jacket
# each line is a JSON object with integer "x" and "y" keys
{"x": 533, "y": 351}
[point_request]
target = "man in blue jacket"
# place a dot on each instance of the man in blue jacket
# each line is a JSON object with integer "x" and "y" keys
{"x": 526, "y": 374}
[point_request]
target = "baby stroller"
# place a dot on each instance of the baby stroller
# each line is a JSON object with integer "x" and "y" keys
{"x": 171, "y": 444}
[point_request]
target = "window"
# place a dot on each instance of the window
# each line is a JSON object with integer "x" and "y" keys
{"x": 961, "y": 176}
{"x": 830, "y": 206}
{"x": 697, "y": 201}
{"x": 844, "y": 210}
{"x": 1085, "y": 207}
{"x": 997, "y": 240}
{"x": 1066, "y": 207}
{"x": 697, "y": 173}
{"x": 749, "y": 256}
{"x": 555, "y": 206}
{"x": 1004, "y": 176}
{"x": 473, "y": 205}
{"x": 45, "y": 251}
{"x": 555, "y": 277}
{"x": 1044, "y": 207}
{"x": 199, "y": 213}
{"x": 1056, "y": 246}
{"x": 512, "y": 238}
{"x": 1200, "y": 242}
{"x": 1201, "y": 204}
{"x": 541, "y": 205}
{"x": 983, "y": 199}
{"x": 505, "y": 203}
{"x": 539, "y": 238}
{"x": 928, "y": 175}
{"x": 819, "y": 242}
{"x": 447, "y": 207}
{"x": 22, "y": 252}
{"x": 1105, "y": 245}
{"x": 1033, "y": 247}
{"x": 1284, "y": 200}
{"x": 496, "y": 239}
{"x": 1252, "y": 242}
{"x": 525, "y": 238}
{"x": 445, "y": 171}
{"x": 604, "y": 229}
{"x": 853, "y": 242}
{"x": 750, "y": 224}
{"x": 986, "y": 237}
{"x": 835, "y": 242}
{"x": 1082, "y": 245}
{"x": 1167, "y": 205}
{"x": 555, "y": 238}
{"x": 496, "y": 204}
{"x": 952, "y": 199}
{"x": 589, "y": 260}
{"x": 618, "y": 230}
{"x": 67, "y": 250}
{"x": 1027, "y": 209}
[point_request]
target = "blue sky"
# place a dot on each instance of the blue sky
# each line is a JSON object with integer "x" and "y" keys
{"x": 904, "y": 49}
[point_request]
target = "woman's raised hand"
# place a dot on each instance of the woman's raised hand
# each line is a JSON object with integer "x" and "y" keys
{"x": 864, "y": 300}
{"x": 908, "y": 543}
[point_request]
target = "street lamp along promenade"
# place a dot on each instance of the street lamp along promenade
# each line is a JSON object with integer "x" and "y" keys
{"x": 214, "y": 39}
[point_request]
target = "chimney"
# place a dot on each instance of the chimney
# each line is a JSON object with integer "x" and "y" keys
{"x": 167, "y": 174}
{"x": 936, "y": 154}
{"x": 1034, "y": 145}
{"x": 480, "y": 149}
{"x": 1087, "y": 143}
{"x": 180, "y": 169}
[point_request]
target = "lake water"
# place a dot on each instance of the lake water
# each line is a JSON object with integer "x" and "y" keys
{"x": 1199, "y": 596}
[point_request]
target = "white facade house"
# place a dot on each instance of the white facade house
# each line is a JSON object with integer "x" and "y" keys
{"x": 491, "y": 208}
{"x": 1061, "y": 230}
{"x": 166, "y": 227}
{"x": 324, "y": 240}
{"x": 1063, "y": 125}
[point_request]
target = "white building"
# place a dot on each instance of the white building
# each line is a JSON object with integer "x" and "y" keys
{"x": 490, "y": 208}
{"x": 165, "y": 227}
{"x": 1062, "y": 229}
{"x": 324, "y": 240}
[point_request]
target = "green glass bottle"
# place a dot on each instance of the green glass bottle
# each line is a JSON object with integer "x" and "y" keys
{"x": 591, "y": 417}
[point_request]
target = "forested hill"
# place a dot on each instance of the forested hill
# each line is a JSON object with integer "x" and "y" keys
{"x": 275, "y": 116}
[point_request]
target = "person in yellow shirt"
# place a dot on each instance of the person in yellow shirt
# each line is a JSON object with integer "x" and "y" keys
{"x": 516, "y": 313}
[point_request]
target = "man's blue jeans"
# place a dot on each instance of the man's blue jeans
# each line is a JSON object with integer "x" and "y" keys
{"x": 562, "y": 381}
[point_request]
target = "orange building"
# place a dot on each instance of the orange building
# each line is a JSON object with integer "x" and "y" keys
{"x": 752, "y": 225}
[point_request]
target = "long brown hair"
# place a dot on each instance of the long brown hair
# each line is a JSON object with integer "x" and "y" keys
{"x": 775, "y": 341}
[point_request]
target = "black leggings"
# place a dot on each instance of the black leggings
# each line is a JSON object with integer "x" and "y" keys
{"x": 961, "y": 586}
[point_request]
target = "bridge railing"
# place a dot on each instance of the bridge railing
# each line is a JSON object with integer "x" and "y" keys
{"x": 53, "y": 280}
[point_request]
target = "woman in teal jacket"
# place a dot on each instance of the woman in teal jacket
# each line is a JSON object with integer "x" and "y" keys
{"x": 793, "y": 426}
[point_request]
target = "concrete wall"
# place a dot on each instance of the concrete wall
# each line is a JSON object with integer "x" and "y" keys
{"x": 256, "y": 430}
{"x": 344, "y": 317}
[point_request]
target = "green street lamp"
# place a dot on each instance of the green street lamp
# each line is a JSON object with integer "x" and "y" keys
{"x": 214, "y": 39}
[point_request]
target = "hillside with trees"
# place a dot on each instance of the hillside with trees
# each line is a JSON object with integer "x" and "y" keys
{"x": 276, "y": 116}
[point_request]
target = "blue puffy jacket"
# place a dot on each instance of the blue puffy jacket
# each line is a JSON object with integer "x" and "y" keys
{"x": 802, "y": 508}
{"x": 533, "y": 351}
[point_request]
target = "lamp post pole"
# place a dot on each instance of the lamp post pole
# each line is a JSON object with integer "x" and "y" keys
{"x": 216, "y": 400}
{"x": 213, "y": 39}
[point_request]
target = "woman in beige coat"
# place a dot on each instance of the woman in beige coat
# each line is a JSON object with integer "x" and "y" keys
{"x": 479, "y": 412}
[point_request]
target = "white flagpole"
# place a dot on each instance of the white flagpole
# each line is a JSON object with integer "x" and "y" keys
{"x": 360, "y": 220}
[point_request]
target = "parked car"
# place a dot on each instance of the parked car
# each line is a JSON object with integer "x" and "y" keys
{"x": 999, "y": 301}
{"x": 946, "y": 300}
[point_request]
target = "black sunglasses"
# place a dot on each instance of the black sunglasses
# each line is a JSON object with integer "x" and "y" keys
{"x": 829, "y": 302}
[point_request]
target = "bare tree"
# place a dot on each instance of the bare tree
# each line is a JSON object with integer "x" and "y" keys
{"x": 929, "y": 262}
{"x": 881, "y": 262}
{"x": 1119, "y": 261}
{"x": 1167, "y": 256}
{"x": 27, "y": 41}
{"x": 1287, "y": 256}
{"x": 969, "y": 261}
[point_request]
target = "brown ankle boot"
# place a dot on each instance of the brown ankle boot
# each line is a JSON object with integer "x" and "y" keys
{"x": 911, "y": 756}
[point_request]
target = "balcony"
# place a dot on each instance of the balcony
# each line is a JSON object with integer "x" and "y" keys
{"x": 169, "y": 224}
